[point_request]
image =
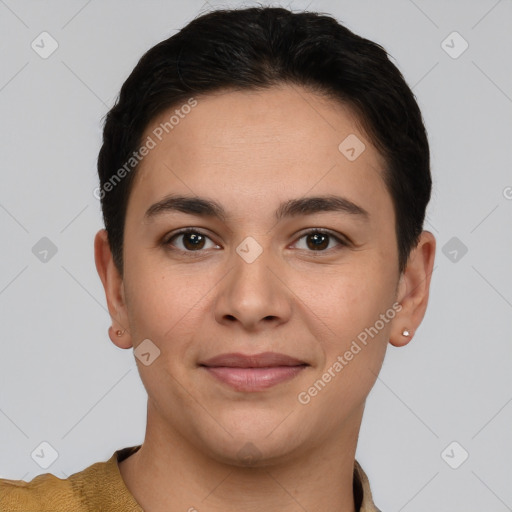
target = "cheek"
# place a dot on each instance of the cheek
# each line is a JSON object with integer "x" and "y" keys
{"x": 166, "y": 309}
{"x": 353, "y": 338}
{"x": 167, "y": 304}
{"x": 351, "y": 332}
{"x": 349, "y": 297}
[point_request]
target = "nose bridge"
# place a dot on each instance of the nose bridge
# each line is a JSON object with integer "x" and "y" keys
{"x": 252, "y": 260}
{"x": 252, "y": 292}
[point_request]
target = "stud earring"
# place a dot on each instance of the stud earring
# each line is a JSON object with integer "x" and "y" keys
{"x": 406, "y": 332}
{"x": 119, "y": 332}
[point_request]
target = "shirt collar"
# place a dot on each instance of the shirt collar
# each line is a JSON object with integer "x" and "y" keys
{"x": 362, "y": 492}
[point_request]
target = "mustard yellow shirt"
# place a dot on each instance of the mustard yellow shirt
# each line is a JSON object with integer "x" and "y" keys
{"x": 101, "y": 488}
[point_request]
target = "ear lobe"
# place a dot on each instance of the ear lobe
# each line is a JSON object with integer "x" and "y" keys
{"x": 114, "y": 290}
{"x": 401, "y": 339}
{"x": 413, "y": 290}
{"x": 121, "y": 340}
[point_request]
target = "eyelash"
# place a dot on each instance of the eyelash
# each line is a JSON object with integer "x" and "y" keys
{"x": 342, "y": 243}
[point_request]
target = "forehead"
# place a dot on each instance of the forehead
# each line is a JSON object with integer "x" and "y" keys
{"x": 283, "y": 140}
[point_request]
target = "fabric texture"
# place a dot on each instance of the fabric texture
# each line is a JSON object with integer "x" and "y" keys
{"x": 101, "y": 488}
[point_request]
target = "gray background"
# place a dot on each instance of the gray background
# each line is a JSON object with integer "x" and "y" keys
{"x": 61, "y": 379}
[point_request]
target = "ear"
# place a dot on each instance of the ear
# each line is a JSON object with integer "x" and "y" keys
{"x": 114, "y": 290}
{"x": 413, "y": 289}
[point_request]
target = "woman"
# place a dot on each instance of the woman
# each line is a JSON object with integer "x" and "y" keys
{"x": 264, "y": 177}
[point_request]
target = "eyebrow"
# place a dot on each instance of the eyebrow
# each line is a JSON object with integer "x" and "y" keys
{"x": 203, "y": 207}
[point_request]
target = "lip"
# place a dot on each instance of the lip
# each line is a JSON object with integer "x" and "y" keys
{"x": 255, "y": 372}
{"x": 262, "y": 360}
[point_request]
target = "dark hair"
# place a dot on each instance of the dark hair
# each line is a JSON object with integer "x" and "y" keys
{"x": 260, "y": 47}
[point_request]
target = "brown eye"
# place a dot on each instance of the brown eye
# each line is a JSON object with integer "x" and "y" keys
{"x": 192, "y": 240}
{"x": 319, "y": 240}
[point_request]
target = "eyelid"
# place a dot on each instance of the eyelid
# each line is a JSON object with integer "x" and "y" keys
{"x": 342, "y": 240}
{"x": 167, "y": 239}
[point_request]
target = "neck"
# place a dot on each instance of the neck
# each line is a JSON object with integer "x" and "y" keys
{"x": 168, "y": 473}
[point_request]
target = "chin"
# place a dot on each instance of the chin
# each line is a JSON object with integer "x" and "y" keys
{"x": 253, "y": 441}
{"x": 259, "y": 452}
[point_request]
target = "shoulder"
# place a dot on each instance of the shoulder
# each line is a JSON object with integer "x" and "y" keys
{"x": 98, "y": 487}
{"x": 43, "y": 493}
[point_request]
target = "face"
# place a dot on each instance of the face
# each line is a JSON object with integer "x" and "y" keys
{"x": 304, "y": 282}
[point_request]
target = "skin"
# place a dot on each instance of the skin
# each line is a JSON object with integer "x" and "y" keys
{"x": 250, "y": 151}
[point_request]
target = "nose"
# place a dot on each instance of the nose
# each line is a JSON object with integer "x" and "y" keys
{"x": 253, "y": 293}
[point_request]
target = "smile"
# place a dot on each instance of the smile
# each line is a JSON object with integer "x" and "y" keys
{"x": 250, "y": 373}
